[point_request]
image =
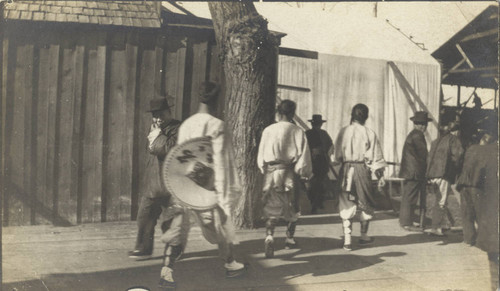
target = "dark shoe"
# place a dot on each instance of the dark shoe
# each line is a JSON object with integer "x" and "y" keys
{"x": 268, "y": 247}
{"x": 166, "y": 285}
{"x": 290, "y": 243}
{"x": 348, "y": 247}
{"x": 137, "y": 254}
{"x": 366, "y": 241}
{"x": 235, "y": 269}
{"x": 413, "y": 228}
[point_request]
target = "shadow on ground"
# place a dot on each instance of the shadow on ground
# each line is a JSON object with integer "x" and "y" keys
{"x": 203, "y": 270}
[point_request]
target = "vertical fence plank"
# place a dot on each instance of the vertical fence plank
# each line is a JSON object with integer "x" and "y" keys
{"x": 5, "y": 72}
{"x": 27, "y": 94}
{"x": 127, "y": 177}
{"x": 66, "y": 202}
{"x": 78, "y": 109}
{"x": 198, "y": 73}
{"x": 16, "y": 166}
{"x": 93, "y": 129}
{"x": 174, "y": 72}
{"x": 116, "y": 111}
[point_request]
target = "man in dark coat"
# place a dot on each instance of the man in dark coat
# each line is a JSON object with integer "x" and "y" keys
{"x": 413, "y": 165}
{"x": 321, "y": 147}
{"x": 443, "y": 165}
{"x": 162, "y": 137}
{"x": 478, "y": 185}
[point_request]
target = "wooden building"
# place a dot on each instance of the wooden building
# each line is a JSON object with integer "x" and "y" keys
{"x": 77, "y": 77}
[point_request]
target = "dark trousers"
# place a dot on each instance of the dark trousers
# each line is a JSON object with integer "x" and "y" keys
{"x": 149, "y": 212}
{"x": 493, "y": 260}
{"x": 469, "y": 196}
{"x": 316, "y": 193}
{"x": 414, "y": 193}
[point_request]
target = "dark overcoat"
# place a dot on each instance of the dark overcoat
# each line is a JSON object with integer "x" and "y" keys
{"x": 445, "y": 158}
{"x": 414, "y": 158}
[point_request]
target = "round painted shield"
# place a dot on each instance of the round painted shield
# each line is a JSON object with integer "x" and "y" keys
{"x": 189, "y": 175}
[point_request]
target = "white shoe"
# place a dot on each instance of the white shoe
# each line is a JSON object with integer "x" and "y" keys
{"x": 290, "y": 243}
{"x": 234, "y": 269}
{"x": 166, "y": 279}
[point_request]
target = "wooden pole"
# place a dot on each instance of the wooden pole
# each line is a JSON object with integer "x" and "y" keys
{"x": 458, "y": 96}
{"x": 495, "y": 99}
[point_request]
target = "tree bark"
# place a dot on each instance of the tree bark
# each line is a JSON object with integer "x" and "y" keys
{"x": 249, "y": 54}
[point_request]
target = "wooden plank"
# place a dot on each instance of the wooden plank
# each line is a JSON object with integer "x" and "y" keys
{"x": 93, "y": 129}
{"x": 127, "y": 177}
{"x": 66, "y": 201}
{"x": 3, "y": 120}
{"x": 16, "y": 205}
{"x": 115, "y": 111}
{"x": 78, "y": 109}
{"x": 174, "y": 74}
{"x": 46, "y": 77}
{"x": 198, "y": 73}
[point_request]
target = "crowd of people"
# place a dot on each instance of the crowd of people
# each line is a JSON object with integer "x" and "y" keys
{"x": 288, "y": 157}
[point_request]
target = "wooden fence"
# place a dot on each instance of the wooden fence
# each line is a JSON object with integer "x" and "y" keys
{"x": 73, "y": 120}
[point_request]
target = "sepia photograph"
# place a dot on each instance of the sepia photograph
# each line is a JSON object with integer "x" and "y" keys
{"x": 249, "y": 145}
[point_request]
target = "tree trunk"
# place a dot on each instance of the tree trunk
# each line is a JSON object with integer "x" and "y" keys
{"x": 249, "y": 54}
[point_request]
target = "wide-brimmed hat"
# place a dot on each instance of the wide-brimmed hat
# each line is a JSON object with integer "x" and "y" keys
{"x": 317, "y": 118}
{"x": 420, "y": 116}
{"x": 158, "y": 104}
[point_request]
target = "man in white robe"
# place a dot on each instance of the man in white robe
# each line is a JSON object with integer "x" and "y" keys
{"x": 358, "y": 150}
{"x": 283, "y": 158}
{"x": 215, "y": 223}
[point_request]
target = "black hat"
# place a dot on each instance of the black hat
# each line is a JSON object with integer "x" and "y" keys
{"x": 420, "y": 117}
{"x": 158, "y": 104}
{"x": 317, "y": 118}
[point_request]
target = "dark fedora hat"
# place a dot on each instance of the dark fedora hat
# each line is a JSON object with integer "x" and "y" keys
{"x": 158, "y": 104}
{"x": 420, "y": 116}
{"x": 317, "y": 118}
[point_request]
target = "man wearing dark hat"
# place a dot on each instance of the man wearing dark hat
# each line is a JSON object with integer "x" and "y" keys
{"x": 216, "y": 224}
{"x": 321, "y": 147}
{"x": 443, "y": 165}
{"x": 162, "y": 137}
{"x": 413, "y": 165}
{"x": 283, "y": 158}
{"x": 358, "y": 150}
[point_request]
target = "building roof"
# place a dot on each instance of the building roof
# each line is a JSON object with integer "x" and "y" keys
{"x": 470, "y": 57}
{"x": 120, "y": 13}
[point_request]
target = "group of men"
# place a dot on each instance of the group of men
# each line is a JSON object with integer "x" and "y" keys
{"x": 287, "y": 156}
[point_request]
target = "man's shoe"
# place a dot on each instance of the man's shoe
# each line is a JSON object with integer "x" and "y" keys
{"x": 137, "y": 254}
{"x": 234, "y": 269}
{"x": 348, "y": 247}
{"x": 366, "y": 241}
{"x": 290, "y": 243}
{"x": 268, "y": 247}
{"x": 413, "y": 228}
{"x": 435, "y": 232}
{"x": 167, "y": 281}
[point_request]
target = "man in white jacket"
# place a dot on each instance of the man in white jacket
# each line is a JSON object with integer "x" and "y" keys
{"x": 215, "y": 223}
{"x": 358, "y": 150}
{"x": 283, "y": 158}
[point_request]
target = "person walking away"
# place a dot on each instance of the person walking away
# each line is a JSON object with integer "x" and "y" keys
{"x": 283, "y": 158}
{"x": 321, "y": 147}
{"x": 470, "y": 184}
{"x": 358, "y": 150}
{"x": 215, "y": 223}
{"x": 161, "y": 138}
{"x": 443, "y": 165}
{"x": 413, "y": 166}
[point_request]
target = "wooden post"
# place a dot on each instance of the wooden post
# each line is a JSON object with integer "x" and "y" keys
{"x": 495, "y": 99}
{"x": 458, "y": 96}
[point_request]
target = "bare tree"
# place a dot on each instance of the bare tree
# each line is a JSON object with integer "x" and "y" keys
{"x": 249, "y": 55}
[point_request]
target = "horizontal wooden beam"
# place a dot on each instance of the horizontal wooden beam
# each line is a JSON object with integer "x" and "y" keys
{"x": 298, "y": 53}
{"x": 482, "y": 34}
{"x": 294, "y": 88}
{"x": 473, "y": 70}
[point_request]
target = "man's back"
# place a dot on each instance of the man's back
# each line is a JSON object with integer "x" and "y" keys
{"x": 199, "y": 125}
{"x": 445, "y": 157}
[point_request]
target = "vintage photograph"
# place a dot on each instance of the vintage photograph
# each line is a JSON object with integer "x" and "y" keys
{"x": 249, "y": 145}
